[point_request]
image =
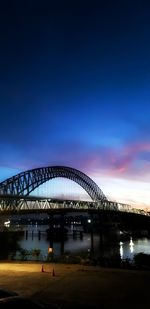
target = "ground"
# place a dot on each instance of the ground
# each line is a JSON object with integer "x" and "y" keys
{"x": 77, "y": 286}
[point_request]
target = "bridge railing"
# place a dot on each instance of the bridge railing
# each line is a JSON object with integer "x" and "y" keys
{"x": 10, "y": 203}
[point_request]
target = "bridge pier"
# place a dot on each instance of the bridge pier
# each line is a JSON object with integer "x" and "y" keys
{"x": 92, "y": 236}
{"x": 39, "y": 235}
{"x": 51, "y": 228}
{"x": 26, "y": 234}
{"x": 81, "y": 235}
{"x": 62, "y": 219}
{"x": 101, "y": 240}
{"x": 57, "y": 232}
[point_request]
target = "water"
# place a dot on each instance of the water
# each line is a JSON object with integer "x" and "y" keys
{"x": 133, "y": 246}
{"x": 80, "y": 245}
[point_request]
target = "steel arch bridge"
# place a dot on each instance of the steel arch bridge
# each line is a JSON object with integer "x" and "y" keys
{"x": 14, "y": 192}
{"x": 25, "y": 182}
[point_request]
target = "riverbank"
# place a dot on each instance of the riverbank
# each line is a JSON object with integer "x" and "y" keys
{"x": 76, "y": 286}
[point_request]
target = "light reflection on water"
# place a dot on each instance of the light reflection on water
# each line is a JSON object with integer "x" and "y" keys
{"x": 126, "y": 248}
{"x": 129, "y": 248}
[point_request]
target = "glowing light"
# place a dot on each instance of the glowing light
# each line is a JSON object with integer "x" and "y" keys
{"x": 121, "y": 250}
{"x": 50, "y": 250}
{"x": 131, "y": 245}
{"x": 7, "y": 223}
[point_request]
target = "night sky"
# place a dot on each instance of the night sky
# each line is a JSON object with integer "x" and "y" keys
{"x": 75, "y": 91}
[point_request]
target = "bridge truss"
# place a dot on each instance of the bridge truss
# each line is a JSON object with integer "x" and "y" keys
{"x": 21, "y": 204}
{"x": 26, "y": 182}
{"x": 14, "y": 192}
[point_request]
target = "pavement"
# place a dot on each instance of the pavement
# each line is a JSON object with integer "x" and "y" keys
{"x": 77, "y": 286}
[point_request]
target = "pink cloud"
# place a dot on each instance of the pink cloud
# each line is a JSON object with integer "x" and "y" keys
{"x": 124, "y": 162}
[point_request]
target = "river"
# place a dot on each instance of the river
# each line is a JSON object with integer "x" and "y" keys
{"x": 35, "y": 238}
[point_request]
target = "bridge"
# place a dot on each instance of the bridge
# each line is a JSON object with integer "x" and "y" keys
{"x": 15, "y": 193}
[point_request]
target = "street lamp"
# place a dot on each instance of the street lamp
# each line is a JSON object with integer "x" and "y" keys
{"x": 50, "y": 250}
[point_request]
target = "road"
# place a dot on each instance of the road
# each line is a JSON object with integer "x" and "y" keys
{"x": 77, "y": 286}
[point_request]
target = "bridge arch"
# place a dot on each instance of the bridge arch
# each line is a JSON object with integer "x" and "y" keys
{"x": 25, "y": 182}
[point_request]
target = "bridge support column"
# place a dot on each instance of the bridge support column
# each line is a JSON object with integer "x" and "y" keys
{"x": 39, "y": 235}
{"x": 101, "y": 240}
{"x": 26, "y": 234}
{"x": 62, "y": 231}
{"x": 92, "y": 236}
{"x": 51, "y": 230}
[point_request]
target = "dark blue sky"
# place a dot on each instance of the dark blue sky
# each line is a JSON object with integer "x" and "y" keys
{"x": 75, "y": 90}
